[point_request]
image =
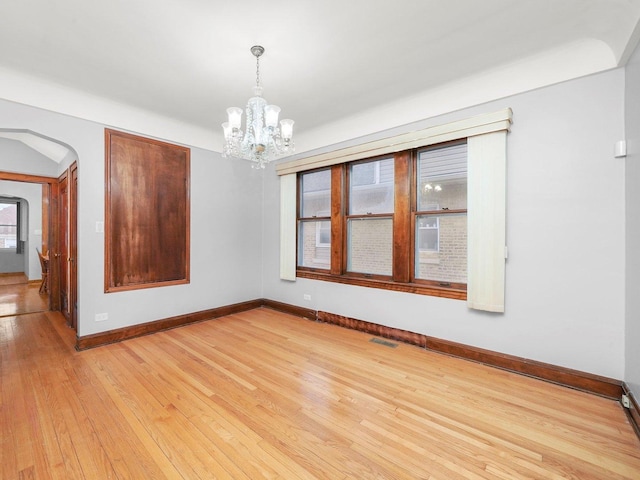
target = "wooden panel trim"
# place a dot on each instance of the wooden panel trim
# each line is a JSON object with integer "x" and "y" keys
{"x": 156, "y": 176}
{"x": 290, "y": 309}
{"x": 402, "y": 264}
{"x": 337, "y": 219}
{"x": 603, "y": 386}
{"x": 125, "y": 333}
{"x": 404, "y": 336}
{"x": 633, "y": 412}
{"x": 24, "y": 177}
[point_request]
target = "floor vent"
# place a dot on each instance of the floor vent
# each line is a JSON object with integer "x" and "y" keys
{"x": 379, "y": 341}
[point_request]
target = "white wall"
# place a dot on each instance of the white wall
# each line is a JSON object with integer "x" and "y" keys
{"x": 225, "y": 229}
{"x": 32, "y": 193}
{"x": 632, "y": 125}
{"x": 17, "y": 157}
{"x": 565, "y": 231}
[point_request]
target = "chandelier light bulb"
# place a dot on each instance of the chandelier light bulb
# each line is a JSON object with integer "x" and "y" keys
{"x": 271, "y": 113}
{"x": 235, "y": 117}
{"x": 286, "y": 127}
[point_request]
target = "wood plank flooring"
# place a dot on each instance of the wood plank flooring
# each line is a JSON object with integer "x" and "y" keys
{"x": 266, "y": 395}
{"x": 13, "y": 278}
{"x": 18, "y": 297}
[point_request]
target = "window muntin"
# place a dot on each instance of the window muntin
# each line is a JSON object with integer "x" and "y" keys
{"x": 9, "y": 218}
{"x": 314, "y": 220}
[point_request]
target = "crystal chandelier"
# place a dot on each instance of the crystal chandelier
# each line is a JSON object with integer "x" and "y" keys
{"x": 262, "y": 141}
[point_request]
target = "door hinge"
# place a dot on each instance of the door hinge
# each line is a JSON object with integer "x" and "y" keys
{"x": 625, "y": 401}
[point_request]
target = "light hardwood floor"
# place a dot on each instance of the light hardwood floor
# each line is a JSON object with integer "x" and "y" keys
{"x": 266, "y": 395}
{"x": 17, "y": 296}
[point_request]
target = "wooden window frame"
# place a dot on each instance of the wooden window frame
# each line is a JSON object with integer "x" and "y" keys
{"x": 164, "y": 194}
{"x": 403, "y": 218}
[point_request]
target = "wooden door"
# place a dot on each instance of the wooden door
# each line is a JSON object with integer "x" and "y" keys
{"x": 62, "y": 254}
{"x": 73, "y": 247}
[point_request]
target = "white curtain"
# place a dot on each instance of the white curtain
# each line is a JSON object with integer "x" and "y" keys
{"x": 288, "y": 227}
{"x": 486, "y": 217}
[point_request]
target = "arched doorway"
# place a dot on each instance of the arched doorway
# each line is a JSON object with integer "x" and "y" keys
{"x": 58, "y": 204}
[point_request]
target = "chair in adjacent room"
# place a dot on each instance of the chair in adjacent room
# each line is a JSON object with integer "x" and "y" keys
{"x": 44, "y": 263}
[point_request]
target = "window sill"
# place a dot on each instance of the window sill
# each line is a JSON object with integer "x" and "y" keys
{"x": 416, "y": 288}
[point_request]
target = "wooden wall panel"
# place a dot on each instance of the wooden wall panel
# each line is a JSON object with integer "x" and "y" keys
{"x": 147, "y": 213}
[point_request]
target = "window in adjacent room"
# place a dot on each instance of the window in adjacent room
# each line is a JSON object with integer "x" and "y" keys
{"x": 9, "y": 225}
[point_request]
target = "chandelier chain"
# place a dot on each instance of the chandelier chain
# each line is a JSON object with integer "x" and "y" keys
{"x": 257, "y": 71}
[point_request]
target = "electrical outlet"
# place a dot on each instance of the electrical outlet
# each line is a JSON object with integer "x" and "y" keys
{"x": 101, "y": 317}
{"x": 306, "y": 296}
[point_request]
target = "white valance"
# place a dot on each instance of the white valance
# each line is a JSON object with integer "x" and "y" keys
{"x": 468, "y": 127}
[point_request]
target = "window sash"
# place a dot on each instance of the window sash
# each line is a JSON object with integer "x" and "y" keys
{"x": 311, "y": 254}
{"x": 371, "y": 251}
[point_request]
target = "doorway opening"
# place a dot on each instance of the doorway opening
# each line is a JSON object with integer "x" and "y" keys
{"x": 47, "y": 225}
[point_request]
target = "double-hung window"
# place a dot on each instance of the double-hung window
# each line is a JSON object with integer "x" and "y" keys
{"x": 9, "y": 221}
{"x": 441, "y": 214}
{"x": 314, "y": 226}
{"x": 370, "y": 217}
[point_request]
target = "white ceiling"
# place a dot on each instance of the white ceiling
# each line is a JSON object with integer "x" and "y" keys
{"x": 339, "y": 68}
